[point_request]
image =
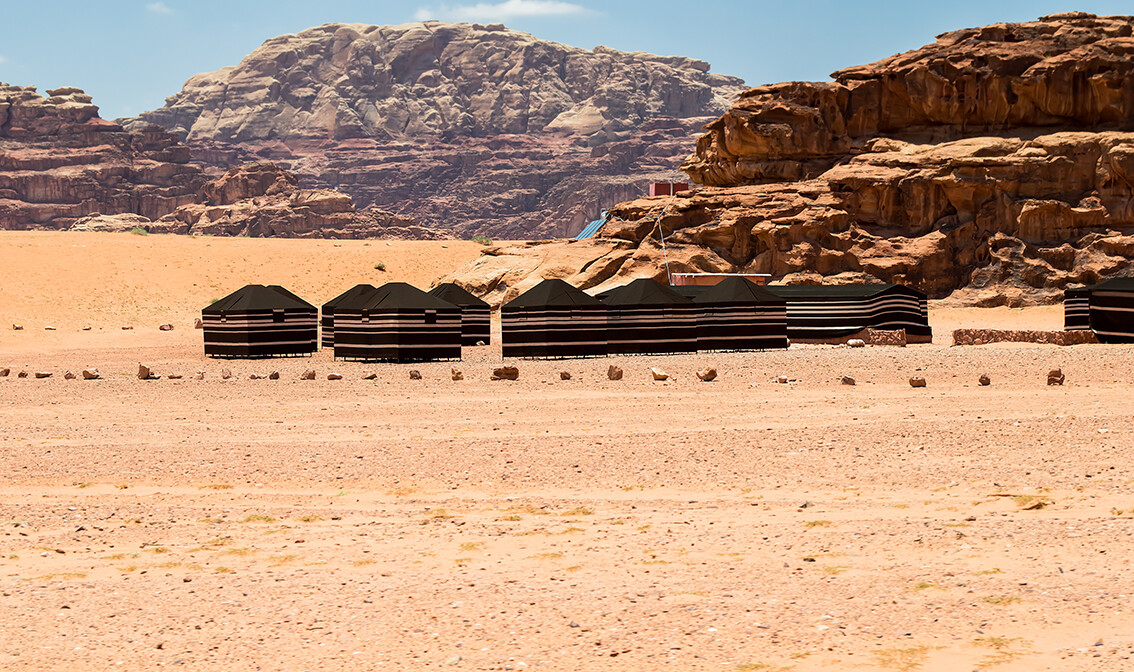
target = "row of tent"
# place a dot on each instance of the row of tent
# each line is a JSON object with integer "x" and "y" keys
{"x": 398, "y": 322}
{"x": 1106, "y": 309}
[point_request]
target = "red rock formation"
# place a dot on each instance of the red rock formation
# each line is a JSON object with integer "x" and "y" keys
{"x": 59, "y": 161}
{"x": 998, "y": 161}
{"x": 473, "y": 128}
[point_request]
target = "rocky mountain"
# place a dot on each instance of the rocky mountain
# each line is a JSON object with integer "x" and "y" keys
{"x": 478, "y": 129}
{"x": 995, "y": 165}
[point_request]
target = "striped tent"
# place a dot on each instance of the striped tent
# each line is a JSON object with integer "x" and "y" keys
{"x": 1112, "y": 310}
{"x": 260, "y": 321}
{"x": 553, "y": 320}
{"x": 645, "y": 317}
{"x": 399, "y": 323}
{"x": 738, "y": 314}
{"x": 821, "y": 312}
{"x": 1077, "y": 309}
{"x": 476, "y": 315}
{"x": 328, "y": 317}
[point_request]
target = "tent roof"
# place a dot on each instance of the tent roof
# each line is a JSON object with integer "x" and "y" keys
{"x": 737, "y": 290}
{"x": 839, "y": 291}
{"x": 457, "y": 295}
{"x": 553, "y": 292}
{"x": 643, "y": 291}
{"x": 352, "y": 294}
{"x": 396, "y": 295}
{"x": 257, "y": 297}
{"x": 1115, "y": 284}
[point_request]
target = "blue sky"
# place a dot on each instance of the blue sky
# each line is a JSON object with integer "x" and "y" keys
{"x": 130, "y": 55}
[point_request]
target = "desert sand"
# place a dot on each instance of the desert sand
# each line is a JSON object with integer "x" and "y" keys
{"x": 590, "y": 524}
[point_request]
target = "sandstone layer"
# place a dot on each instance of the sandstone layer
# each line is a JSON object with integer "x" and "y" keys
{"x": 479, "y": 129}
{"x": 997, "y": 161}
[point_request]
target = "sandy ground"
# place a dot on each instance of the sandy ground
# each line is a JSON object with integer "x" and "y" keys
{"x": 583, "y": 524}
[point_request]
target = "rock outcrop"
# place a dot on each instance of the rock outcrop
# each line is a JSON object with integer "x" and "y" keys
{"x": 998, "y": 161}
{"x": 59, "y": 161}
{"x": 479, "y": 129}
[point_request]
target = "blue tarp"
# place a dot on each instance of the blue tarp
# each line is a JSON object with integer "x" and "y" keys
{"x": 590, "y": 230}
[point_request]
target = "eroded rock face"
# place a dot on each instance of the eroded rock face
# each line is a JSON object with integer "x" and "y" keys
{"x": 523, "y": 138}
{"x": 59, "y": 162}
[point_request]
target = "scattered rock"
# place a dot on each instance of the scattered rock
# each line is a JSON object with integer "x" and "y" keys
{"x": 414, "y": 374}
{"x": 564, "y": 375}
{"x": 50, "y": 329}
{"x": 1055, "y": 377}
{"x": 309, "y": 374}
{"x": 856, "y": 343}
{"x": 480, "y": 343}
{"x": 4, "y": 372}
{"x": 42, "y": 374}
{"x": 225, "y": 374}
{"x": 456, "y": 374}
{"x": 506, "y": 373}
{"x": 91, "y": 374}
{"x": 87, "y": 328}
{"x": 614, "y": 373}
{"x": 166, "y": 327}
{"x": 658, "y": 374}
{"x": 145, "y": 373}
{"x": 781, "y": 379}
{"x": 274, "y": 375}
{"x": 983, "y": 336}
{"x": 174, "y": 376}
{"x": 370, "y": 376}
{"x": 984, "y": 380}
{"x": 334, "y": 376}
{"x": 452, "y": 660}
{"x": 17, "y": 327}
{"x": 847, "y": 380}
{"x": 22, "y": 374}
{"x": 127, "y": 328}
{"x": 917, "y": 381}
{"x": 707, "y": 375}
{"x": 256, "y": 376}
{"x": 200, "y": 375}
{"x": 198, "y": 324}
{"x": 67, "y": 375}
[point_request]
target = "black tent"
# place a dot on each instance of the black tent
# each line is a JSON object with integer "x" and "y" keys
{"x": 328, "y": 318}
{"x": 820, "y": 312}
{"x": 645, "y": 317}
{"x": 738, "y": 314}
{"x": 552, "y": 320}
{"x": 260, "y": 321}
{"x": 1077, "y": 309}
{"x": 397, "y": 322}
{"x": 476, "y": 315}
{"x": 1112, "y": 310}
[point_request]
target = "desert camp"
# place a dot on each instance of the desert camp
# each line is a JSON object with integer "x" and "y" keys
{"x": 260, "y": 321}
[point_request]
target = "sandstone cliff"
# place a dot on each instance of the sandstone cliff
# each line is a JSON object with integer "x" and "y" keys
{"x": 998, "y": 161}
{"x": 475, "y": 128}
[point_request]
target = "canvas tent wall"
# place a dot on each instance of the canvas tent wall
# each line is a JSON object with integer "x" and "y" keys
{"x": 553, "y": 320}
{"x": 1077, "y": 309}
{"x": 398, "y": 323}
{"x": 645, "y": 317}
{"x": 260, "y": 321}
{"x": 822, "y": 312}
{"x": 476, "y": 315}
{"x": 738, "y": 314}
{"x": 327, "y": 321}
{"x": 1112, "y": 310}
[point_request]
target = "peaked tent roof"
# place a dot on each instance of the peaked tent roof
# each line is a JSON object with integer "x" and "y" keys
{"x": 838, "y": 291}
{"x": 394, "y": 296}
{"x": 736, "y": 289}
{"x": 352, "y": 294}
{"x": 643, "y": 291}
{"x": 553, "y": 292}
{"x": 257, "y": 297}
{"x": 1115, "y": 284}
{"x": 457, "y": 295}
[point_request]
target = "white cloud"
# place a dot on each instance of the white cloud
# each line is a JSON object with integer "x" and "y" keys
{"x": 501, "y": 11}
{"x": 158, "y": 8}
{"x": 3, "y": 59}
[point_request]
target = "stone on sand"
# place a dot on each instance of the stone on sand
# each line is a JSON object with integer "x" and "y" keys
{"x": 564, "y": 375}
{"x": 856, "y": 343}
{"x": 917, "y": 381}
{"x": 42, "y": 374}
{"x": 198, "y": 324}
{"x": 658, "y": 374}
{"x": 707, "y": 375}
{"x": 781, "y": 379}
{"x": 67, "y": 375}
{"x": 984, "y": 380}
{"x": 847, "y": 380}
{"x": 166, "y": 327}
{"x": 174, "y": 376}
{"x": 17, "y": 327}
{"x": 614, "y": 373}
{"x": 456, "y": 374}
{"x": 309, "y": 374}
{"x": 506, "y": 373}
{"x": 274, "y": 375}
{"x": 145, "y": 373}
{"x": 334, "y": 376}
{"x": 4, "y": 372}
{"x": 22, "y": 374}
{"x": 370, "y": 376}
{"x": 1055, "y": 377}
{"x": 90, "y": 374}
{"x": 225, "y": 374}
{"x": 414, "y": 374}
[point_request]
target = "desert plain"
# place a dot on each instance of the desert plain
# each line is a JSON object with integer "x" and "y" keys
{"x": 583, "y": 524}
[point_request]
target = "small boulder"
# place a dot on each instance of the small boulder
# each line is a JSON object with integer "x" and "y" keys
{"x": 144, "y": 372}
{"x": 17, "y": 327}
{"x": 87, "y": 328}
{"x": 456, "y": 374}
{"x": 42, "y": 374}
{"x": 127, "y": 328}
{"x": 225, "y": 374}
{"x": 984, "y": 380}
{"x": 200, "y": 375}
{"x": 480, "y": 343}
{"x": 174, "y": 376}
{"x": 90, "y": 374}
{"x": 274, "y": 375}
{"x": 1055, "y": 377}
{"x": 309, "y": 374}
{"x": 4, "y": 372}
{"x": 370, "y": 376}
{"x": 917, "y": 381}
{"x": 658, "y": 374}
{"x": 166, "y": 327}
{"x": 707, "y": 375}
{"x": 614, "y": 373}
{"x": 256, "y": 376}
{"x": 50, "y": 329}
{"x": 781, "y": 379}
{"x": 847, "y": 380}
{"x": 334, "y": 376}
{"x": 564, "y": 375}
{"x": 414, "y": 374}
{"x": 856, "y": 343}
{"x": 506, "y": 373}
{"x": 22, "y": 374}
{"x": 67, "y": 375}
{"x": 198, "y": 324}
